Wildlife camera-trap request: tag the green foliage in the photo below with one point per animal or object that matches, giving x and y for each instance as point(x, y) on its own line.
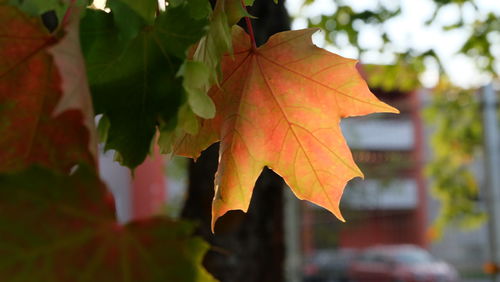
point(403, 73)
point(217, 41)
point(481, 45)
point(457, 140)
point(392, 77)
point(133, 72)
point(202, 71)
point(345, 21)
point(146, 9)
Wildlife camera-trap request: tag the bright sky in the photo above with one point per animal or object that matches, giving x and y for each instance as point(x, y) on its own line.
point(409, 29)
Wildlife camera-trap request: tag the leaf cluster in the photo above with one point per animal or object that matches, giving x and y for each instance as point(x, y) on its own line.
point(57, 220)
point(134, 61)
point(182, 78)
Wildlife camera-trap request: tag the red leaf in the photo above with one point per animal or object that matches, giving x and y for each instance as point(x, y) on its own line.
point(35, 127)
point(55, 227)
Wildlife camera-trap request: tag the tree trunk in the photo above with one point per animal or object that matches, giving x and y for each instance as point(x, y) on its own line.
point(247, 247)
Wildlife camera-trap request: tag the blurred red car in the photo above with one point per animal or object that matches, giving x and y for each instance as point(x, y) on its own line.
point(406, 263)
point(328, 265)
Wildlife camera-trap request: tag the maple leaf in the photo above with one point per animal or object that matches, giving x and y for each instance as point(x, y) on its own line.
point(55, 227)
point(45, 110)
point(133, 72)
point(280, 106)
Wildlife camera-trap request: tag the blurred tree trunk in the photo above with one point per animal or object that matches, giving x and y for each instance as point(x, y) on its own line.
point(246, 247)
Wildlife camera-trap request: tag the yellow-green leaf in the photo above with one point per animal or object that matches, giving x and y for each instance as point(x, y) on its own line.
point(195, 76)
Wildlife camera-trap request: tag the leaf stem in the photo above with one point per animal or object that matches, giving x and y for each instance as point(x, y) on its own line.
point(249, 27)
point(67, 14)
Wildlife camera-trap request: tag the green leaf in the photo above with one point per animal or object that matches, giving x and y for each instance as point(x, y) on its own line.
point(234, 11)
point(79, 237)
point(146, 9)
point(128, 22)
point(206, 58)
point(169, 133)
point(195, 76)
point(208, 55)
point(175, 3)
point(217, 41)
point(199, 9)
point(134, 82)
point(38, 7)
point(103, 129)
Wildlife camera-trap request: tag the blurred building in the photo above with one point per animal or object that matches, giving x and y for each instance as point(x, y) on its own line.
point(390, 205)
point(393, 204)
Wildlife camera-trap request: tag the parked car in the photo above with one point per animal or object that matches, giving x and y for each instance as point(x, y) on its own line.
point(329, 265)
point(400, 263)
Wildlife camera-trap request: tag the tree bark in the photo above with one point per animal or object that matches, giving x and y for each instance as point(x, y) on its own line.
point(246, 247)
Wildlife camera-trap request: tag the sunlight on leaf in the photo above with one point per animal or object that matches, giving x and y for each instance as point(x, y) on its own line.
point(280, 106)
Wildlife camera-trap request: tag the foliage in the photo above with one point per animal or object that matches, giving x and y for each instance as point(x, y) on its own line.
point(40, 123)
point(147, 73)
point(457, 140)
point(55, 221)
point(481, 46)
point(202, 71)
point(133, 71)
point(348, 22)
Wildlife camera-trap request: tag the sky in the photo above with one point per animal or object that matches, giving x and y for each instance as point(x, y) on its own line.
point(407, 30)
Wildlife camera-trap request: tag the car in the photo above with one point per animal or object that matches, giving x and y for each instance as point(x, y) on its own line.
point(328, 265)
point(400, 263)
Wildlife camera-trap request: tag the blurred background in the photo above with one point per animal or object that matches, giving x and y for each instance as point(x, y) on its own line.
point(428, 208)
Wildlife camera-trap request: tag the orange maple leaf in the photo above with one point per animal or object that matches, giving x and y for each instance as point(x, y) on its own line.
point(280, 106)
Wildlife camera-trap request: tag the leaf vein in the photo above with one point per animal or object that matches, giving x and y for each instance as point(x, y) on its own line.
point(293, 132)
point(320, 83)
